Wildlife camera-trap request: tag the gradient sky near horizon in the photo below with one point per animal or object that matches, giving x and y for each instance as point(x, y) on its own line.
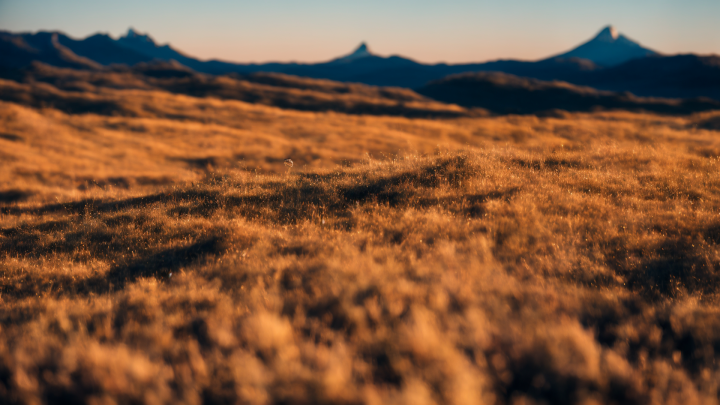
point(428, 31)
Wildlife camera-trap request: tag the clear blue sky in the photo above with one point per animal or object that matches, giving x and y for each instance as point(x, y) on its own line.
point(316, 30)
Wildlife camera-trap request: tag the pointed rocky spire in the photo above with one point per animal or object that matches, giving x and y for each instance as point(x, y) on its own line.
point(607, 34)
point(608, 48)
point(360, 52)
point(136, 36)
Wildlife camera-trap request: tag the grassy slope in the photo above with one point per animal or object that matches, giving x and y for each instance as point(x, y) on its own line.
point(458, 261)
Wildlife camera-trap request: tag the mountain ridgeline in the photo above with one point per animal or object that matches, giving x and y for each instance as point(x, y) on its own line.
point(609, 62)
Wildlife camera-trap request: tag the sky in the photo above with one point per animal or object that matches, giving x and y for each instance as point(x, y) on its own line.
point(452, 31)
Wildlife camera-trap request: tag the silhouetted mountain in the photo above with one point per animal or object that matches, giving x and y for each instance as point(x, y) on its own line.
point(20, 50)
point(144, 44)
point(507, 94)
point(104, 50)
point(359, 66)
point(403, 72)
point(609, 48)
point(362, 51)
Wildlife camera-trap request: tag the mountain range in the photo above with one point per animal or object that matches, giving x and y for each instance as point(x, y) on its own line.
point(609, 61)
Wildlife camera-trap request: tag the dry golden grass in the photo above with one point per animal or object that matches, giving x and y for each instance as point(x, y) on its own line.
point(171, 257)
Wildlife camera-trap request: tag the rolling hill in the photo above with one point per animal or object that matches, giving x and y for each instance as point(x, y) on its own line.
point(503, 93)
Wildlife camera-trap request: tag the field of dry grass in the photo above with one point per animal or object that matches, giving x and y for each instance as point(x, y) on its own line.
point(168, 256)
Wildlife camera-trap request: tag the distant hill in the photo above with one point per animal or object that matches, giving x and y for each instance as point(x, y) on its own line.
point(609, 48)
point(664, 76)
point(609, 61)
point(503, 93)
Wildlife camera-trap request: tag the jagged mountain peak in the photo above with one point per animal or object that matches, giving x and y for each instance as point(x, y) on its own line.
point(362, 51)
point(608, 34)
point(134, 35)
point(146, 45)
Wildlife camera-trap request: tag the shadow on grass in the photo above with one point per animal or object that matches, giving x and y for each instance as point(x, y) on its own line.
point(159, 265)
point(672, 269)
point(285, 202)
point(472, 205)
point(393, 189)
point(13, 196)
point(94, 205)
point(551, 163)
point(162, 263)
point(11, 137)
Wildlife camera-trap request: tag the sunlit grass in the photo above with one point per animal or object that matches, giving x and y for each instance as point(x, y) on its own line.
point(489, 260)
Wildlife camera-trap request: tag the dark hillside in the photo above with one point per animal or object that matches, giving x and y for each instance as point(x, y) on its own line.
point(507, 94)
point(676, 76)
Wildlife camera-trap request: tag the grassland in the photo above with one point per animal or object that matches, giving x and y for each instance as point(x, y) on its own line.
point(164, 254)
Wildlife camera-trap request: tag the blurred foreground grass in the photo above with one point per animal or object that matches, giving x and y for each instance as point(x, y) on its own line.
point(491, 260)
